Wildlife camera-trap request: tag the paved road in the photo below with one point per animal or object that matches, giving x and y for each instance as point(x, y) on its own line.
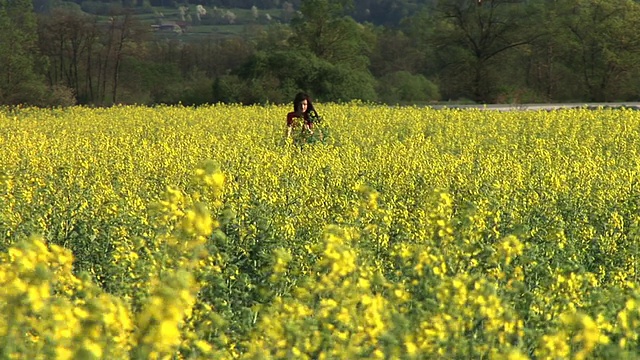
point(510, 107)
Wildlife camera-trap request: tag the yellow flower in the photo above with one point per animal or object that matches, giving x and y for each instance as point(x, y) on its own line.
point(63, 353)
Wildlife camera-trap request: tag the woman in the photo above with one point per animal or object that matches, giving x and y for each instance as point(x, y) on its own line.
point(302, 109)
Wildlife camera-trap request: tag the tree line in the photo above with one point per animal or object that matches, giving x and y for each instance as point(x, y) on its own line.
point(485, 51)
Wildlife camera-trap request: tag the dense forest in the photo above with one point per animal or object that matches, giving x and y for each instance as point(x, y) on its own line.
point(100, 53)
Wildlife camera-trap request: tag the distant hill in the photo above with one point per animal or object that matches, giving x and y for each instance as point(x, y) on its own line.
point(227, 12)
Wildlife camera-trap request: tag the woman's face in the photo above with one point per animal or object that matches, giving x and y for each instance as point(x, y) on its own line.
point(303, 105)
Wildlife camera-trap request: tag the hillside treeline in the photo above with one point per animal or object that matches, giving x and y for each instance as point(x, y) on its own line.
point(500, 51)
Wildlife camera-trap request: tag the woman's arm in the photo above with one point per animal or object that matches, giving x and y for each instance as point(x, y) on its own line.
point(309, 127)
point(290, 117)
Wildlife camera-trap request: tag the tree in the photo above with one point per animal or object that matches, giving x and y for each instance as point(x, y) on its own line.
point(276, 76)
point(123, 27)
point(324, 53)
point(600, 43)
point(402, 86)
point(19, 83)
point(395, 51)
point(388, 13)
point(124, 36)
point(325, 30)
point(67, 37)
point(468, 36)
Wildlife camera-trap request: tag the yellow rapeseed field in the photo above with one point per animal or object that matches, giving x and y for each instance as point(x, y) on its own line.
point(408, 233)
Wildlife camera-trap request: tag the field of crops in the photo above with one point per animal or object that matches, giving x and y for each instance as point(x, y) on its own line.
point(409, 233)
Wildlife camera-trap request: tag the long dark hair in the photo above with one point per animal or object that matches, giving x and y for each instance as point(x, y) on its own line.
point(297, 106)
